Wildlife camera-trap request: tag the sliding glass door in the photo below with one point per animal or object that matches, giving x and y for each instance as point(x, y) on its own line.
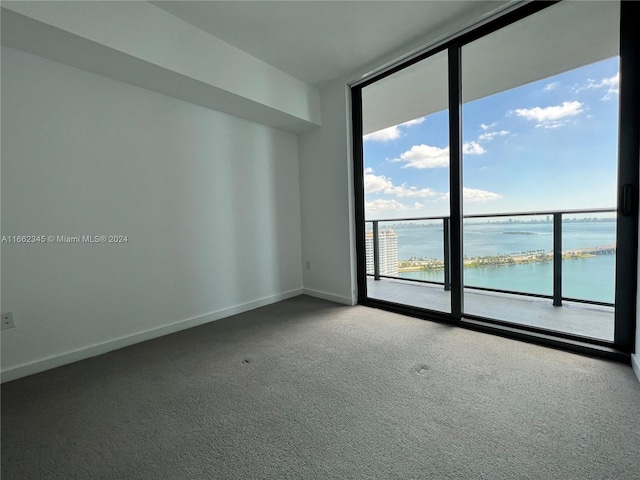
point(496, 178)
point(540, 106)
point(405, 123)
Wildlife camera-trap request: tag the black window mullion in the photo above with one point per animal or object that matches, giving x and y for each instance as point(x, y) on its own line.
point(358, 191)
point(628, 171)
point(455, 180)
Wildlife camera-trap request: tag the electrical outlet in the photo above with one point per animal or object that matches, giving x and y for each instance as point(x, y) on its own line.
point(308, 264)
point(7, 321)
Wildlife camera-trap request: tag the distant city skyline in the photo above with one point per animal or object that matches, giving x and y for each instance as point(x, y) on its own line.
point(548, 145)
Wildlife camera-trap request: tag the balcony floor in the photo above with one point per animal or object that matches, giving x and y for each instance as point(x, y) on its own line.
point(576, 318)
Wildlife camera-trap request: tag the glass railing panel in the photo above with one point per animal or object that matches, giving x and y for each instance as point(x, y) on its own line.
point(589, 256)
point(368, 241)
point(512, 253)
point(420, 250)
point(411, 263)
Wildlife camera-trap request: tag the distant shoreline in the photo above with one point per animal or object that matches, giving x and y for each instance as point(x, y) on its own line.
point(491, 261)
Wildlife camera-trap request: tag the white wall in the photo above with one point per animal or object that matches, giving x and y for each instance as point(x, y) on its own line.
point(326, 198)
point(209, 202)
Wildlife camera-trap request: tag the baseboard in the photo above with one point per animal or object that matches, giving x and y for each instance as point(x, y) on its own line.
point(48, 363)
point(635, 364)
point(327, 296)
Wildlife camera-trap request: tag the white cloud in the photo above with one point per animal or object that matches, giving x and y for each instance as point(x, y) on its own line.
point(385, 135)
point(391, 133)
point(487, 137)
point(612, 84)
point(382, 205)
point(427, 156)
point(484, 126)
point(411, 123)
point(472, 148)
point(381, 184)
point(477, 195)
point(551, 86)
point(375, 183)
point(424, 156)
point(551, 117)
point(403, 191)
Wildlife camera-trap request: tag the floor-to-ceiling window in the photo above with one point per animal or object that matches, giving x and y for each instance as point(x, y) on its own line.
point(406, 180)
point(495, 185)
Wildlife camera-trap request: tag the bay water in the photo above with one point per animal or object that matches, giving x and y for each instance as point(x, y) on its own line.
point(591, 278)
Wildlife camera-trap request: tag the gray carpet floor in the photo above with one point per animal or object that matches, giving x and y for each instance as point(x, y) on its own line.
point(310, 389)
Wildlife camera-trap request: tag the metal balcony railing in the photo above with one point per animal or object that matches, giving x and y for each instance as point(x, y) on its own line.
point(557, 215)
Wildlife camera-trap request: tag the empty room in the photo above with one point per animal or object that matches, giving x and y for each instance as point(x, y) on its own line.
point(320, 239)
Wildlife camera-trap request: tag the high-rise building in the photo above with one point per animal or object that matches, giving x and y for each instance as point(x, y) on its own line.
point(388, 252)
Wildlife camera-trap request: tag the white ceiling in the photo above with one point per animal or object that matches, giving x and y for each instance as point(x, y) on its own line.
point(319, 41)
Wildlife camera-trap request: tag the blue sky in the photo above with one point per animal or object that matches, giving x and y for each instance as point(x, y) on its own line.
point(547, 145)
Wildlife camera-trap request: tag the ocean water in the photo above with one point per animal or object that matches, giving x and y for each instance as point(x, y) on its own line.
point(590, 278)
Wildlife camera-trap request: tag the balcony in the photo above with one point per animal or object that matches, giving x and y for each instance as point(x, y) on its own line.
point(555, 273)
